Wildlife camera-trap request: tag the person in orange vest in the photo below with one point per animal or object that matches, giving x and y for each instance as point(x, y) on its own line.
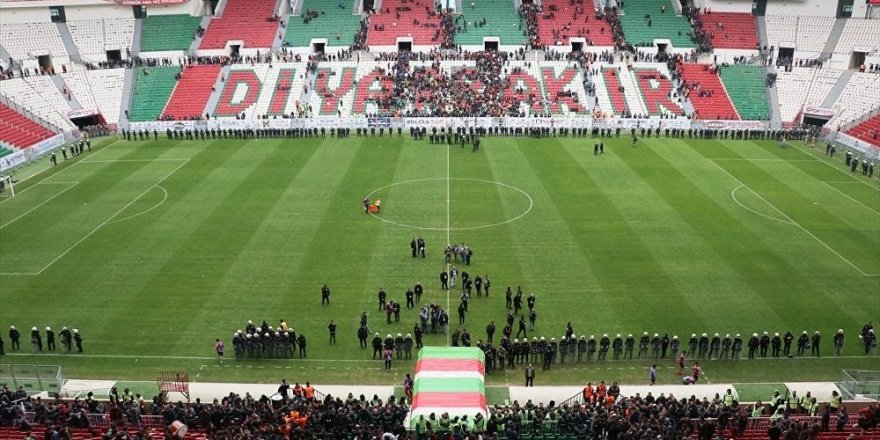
point(601, 390)
point(588, 393)
point(309, 391)
point(298, 390)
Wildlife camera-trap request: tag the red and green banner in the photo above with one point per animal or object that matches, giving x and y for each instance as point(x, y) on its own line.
point(449, 380)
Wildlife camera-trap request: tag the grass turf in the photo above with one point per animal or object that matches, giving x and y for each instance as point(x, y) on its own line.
point(153, 249)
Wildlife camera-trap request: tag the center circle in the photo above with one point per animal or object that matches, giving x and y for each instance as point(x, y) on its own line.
point(422, 203)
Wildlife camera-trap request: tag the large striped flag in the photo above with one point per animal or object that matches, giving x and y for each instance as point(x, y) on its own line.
point(449, 380)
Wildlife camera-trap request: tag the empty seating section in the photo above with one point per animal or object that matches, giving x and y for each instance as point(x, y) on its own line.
point(731, 30)
point(501, 20)
point(99, 89)
point(19, 131)
point(23, 40)
point(152, 87)
point(746, 86)
point(643, 22)
point(859, 33)
point(192, 92)
point(858, 98)
point(803, 87)
point(330, 19)
point(398, 18)
point(94, 37)
point(168, 32)
point(249, 21)
point(706, 92)
point(38, 95)
point(867, 130)
point(561, 20)
point(803, 33)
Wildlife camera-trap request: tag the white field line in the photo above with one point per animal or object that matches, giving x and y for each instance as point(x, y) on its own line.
point(164, 197)
point(72, 184)
point(796, 223)
point(855, 179)
point(850, 197)
point(448, 233)
point(105, 222)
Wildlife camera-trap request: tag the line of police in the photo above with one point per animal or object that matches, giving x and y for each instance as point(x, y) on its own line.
point(68, 339)
point(268, 342)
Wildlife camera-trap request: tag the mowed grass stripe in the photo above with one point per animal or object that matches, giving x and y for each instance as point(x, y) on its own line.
point(794, 193)
point(550, 241)
point(102, 191)
point(774, 258)
point(862, 195)
point(692, 264)
point(691, 186)
point(202, 232)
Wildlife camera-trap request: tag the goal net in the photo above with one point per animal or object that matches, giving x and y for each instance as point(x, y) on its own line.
point(7, 186)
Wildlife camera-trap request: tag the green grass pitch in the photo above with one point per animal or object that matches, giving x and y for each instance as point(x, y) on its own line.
point(153, 249)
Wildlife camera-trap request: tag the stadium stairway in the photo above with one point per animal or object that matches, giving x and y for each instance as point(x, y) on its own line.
point(60, 85)
point(838, 88)
point(192, 92)
point(717, 105)
point(773, 100)
point(125, 99)
point(834, 37)
point(745, 85)
point(218, 89)
point(67, 40)
point(136, 32)
point(4, 54)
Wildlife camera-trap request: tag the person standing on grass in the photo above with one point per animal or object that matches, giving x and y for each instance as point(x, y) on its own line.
point(332, 329)
point(696, 372)
point(388, 355)
point(838, 343)
point(652, 374)
point(530, 376)
point(815, 343)
point(325, 295)
point(218, 347)
point(681, 360)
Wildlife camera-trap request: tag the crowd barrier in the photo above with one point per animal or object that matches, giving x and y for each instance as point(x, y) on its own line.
point(454, 123)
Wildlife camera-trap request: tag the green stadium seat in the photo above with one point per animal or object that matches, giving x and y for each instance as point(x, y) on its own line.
point(152, 88)
point(746, 86)
point(667, 25)
point(334, 21)
point(502, 21)
point(4, 151)
point(168, 32)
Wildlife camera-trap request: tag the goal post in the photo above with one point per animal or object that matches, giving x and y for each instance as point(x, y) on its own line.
point(7, 186)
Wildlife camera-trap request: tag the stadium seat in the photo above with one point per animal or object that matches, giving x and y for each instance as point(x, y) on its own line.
point(191, 94)
point(24, 40)
point(19, 131)
point(152, 88)
point(867, 130)
point(561, 20)
point(40, 96)
point(803, 33)
point(502, 21)
point(94, 37)
point(249, 21)
point(715, 103)
point(803, 87)
point(746, 86)
point(385, 27)
point(168, 32)
point(98, 89)
point(731, 30)
point(857, 99)
point(332, 20)
point(859, 33)
point(667, 25)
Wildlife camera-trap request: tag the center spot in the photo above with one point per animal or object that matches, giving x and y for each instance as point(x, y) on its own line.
point(473, 203)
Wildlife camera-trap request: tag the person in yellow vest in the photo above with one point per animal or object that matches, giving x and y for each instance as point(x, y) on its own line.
point(836, 400)
point(728, 398)
point(774, 401)
point(804, 403)
point(814, 407)
point(758, 410)
point(793, 401)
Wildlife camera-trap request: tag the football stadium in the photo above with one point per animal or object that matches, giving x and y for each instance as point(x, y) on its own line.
point(417, 219)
